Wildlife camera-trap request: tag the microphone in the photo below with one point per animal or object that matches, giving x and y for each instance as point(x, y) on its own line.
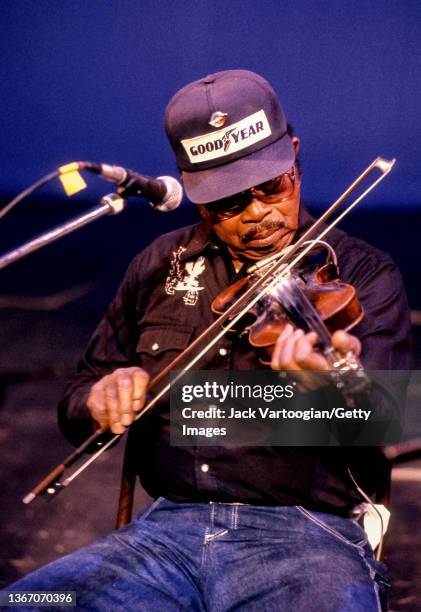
point(163, 193)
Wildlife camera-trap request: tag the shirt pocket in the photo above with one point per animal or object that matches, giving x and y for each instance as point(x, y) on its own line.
point(158, 345)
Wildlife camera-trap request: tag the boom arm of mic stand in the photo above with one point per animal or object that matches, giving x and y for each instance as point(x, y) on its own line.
point(111, 204)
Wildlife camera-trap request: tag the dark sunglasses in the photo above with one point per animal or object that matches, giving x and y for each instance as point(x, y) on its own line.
point(274, 191)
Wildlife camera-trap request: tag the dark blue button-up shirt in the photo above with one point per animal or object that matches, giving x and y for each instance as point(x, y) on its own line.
point(163, 303)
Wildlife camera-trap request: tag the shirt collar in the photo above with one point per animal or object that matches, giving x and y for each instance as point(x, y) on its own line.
point(197, 240)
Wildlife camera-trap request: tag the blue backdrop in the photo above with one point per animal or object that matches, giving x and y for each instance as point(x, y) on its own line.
point(90, 80)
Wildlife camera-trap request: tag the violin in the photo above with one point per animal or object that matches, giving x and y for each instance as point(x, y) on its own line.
point(311, 297)
point(278, 289)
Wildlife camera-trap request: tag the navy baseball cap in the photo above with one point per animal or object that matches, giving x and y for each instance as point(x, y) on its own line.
point(229, 133)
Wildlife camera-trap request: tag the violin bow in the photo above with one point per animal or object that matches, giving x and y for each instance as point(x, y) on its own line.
point(279, 265)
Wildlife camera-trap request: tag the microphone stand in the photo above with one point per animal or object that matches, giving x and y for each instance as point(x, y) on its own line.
point(111, 204)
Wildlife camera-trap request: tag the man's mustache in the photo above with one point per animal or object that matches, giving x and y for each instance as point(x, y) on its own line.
point(261, 230)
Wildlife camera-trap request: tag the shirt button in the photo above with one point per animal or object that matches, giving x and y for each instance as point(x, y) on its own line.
point(155, 346)
point(223, 351)
point(204, 467)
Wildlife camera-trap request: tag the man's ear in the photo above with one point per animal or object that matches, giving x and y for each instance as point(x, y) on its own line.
point(296, 145)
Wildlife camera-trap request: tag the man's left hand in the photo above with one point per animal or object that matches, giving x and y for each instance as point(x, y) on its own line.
point(296, 351)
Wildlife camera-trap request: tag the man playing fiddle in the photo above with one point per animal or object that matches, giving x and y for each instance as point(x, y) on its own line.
point(247, 528)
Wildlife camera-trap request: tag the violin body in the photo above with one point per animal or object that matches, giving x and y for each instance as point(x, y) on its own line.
point(314, 293)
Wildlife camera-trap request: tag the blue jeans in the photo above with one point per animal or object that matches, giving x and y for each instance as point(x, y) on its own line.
point(218, 557)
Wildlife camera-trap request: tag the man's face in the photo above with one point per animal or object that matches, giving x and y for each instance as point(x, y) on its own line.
point(261, 222)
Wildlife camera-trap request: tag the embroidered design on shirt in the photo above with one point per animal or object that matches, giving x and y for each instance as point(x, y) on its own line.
point(175, 273)
point(190, 284)
point(185, 280)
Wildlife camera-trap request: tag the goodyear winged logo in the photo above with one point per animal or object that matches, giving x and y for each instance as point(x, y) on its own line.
point(230, 139)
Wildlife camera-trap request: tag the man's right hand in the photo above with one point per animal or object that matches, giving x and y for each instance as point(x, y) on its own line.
point(116, 398)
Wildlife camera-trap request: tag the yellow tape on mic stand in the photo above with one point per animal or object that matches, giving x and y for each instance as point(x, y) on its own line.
point(70, 178)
